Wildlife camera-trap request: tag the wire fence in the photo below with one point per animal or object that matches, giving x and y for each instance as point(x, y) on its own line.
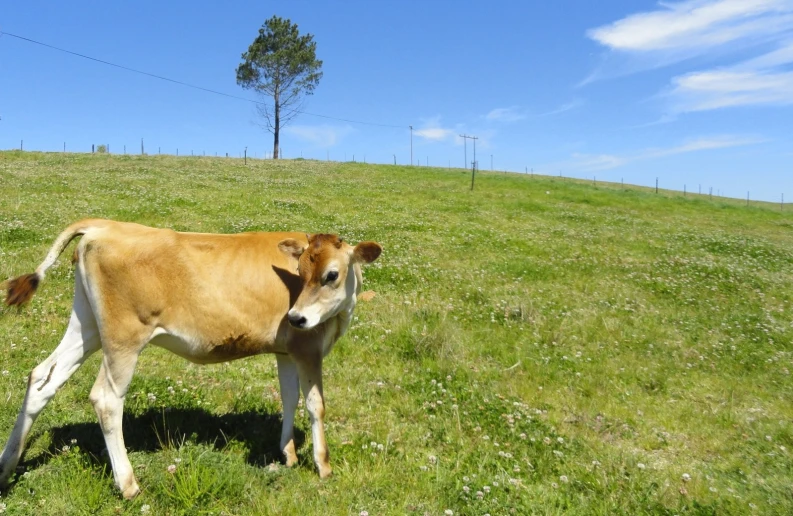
point(685, 192)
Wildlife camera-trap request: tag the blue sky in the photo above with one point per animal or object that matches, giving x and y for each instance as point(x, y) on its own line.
point(698, 92)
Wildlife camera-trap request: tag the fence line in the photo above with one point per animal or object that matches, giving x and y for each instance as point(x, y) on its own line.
point(528, 172)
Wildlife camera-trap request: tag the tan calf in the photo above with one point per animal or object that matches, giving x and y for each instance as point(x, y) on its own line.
point(206, 297)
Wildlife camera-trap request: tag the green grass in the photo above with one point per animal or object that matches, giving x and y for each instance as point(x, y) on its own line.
point(559, 347)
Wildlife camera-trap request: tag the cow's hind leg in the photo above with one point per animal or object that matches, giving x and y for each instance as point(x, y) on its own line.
point(79, 342)
point(107, 395)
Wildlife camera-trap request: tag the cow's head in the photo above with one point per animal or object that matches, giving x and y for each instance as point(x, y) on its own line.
point(331, 274)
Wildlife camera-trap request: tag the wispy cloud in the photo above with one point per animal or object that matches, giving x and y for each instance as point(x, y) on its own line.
point(510, 114)
point(681, 30)
point(594, 162)
point(320, 135)
point(432, 130)
point(574, 104)
point(763, 80)
point(695, 25)
point(716, 28)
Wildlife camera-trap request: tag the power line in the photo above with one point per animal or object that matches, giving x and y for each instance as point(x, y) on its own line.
point(181, 83)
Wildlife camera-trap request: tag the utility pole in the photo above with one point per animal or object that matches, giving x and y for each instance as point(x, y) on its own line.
point(411, 145)
point(465, 149)
point(473, 164)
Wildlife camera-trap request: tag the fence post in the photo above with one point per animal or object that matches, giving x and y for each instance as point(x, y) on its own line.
point(656, 185)
point(20, 144)
point(92, 148)
point(64, 147)
point(684, 190)
point(246, 155)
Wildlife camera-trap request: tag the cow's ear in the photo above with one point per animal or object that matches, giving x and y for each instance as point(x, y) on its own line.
point(292, 247)
point(366, 252)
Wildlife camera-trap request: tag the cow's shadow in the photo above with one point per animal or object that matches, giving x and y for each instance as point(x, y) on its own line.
point(158, 429)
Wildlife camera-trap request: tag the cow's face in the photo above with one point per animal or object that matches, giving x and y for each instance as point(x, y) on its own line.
point(327, 266)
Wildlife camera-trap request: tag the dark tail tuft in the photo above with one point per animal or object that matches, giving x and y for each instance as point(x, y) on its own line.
point(21, 289)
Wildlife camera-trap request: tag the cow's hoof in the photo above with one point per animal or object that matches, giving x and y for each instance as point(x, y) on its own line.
point(291, 459)
point(131, 492)
point(325, 472)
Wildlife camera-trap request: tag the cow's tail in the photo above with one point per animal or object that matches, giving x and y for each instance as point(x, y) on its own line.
point(21, 289)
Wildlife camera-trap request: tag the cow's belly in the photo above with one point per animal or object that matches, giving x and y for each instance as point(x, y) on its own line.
point(201, 351)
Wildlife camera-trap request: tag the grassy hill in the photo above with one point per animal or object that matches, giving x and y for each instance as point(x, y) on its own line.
point(536, 346)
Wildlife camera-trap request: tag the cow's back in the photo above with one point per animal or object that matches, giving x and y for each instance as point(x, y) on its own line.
point(225, 295)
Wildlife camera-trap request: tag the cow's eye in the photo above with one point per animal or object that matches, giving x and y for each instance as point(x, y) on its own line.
point(332, 276)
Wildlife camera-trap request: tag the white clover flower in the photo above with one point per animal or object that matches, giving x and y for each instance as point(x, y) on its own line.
point(563, 479)
point(686, 477)
point(172, 468)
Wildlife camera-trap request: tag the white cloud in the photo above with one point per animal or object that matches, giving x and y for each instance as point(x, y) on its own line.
point(590, 162)
point(716, 28)
point(323, 135)
point(691, 28)
point(695, 25)
point(510, 114)
point(762, 80)
point(714, 89)
point(433, 131)
point(564, 107)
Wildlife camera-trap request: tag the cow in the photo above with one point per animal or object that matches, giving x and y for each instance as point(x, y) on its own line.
point(207, 297)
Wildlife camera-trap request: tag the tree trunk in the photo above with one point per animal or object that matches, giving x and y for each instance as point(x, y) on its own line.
point(276, 126)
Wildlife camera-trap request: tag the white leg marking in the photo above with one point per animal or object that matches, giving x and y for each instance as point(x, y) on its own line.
point(80, 341)
point(311, 385)
point(290, 393)
point(108, 395)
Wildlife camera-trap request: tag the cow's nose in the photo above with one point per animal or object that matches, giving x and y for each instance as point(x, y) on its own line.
point(297, 320)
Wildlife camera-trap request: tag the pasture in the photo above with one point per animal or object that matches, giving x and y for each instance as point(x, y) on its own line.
point(537, 346)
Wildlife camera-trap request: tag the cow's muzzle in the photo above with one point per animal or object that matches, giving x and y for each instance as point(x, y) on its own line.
point(296, 319)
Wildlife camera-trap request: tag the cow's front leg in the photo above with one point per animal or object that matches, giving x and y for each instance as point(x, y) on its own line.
point(290, 393)
point(310, 373)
